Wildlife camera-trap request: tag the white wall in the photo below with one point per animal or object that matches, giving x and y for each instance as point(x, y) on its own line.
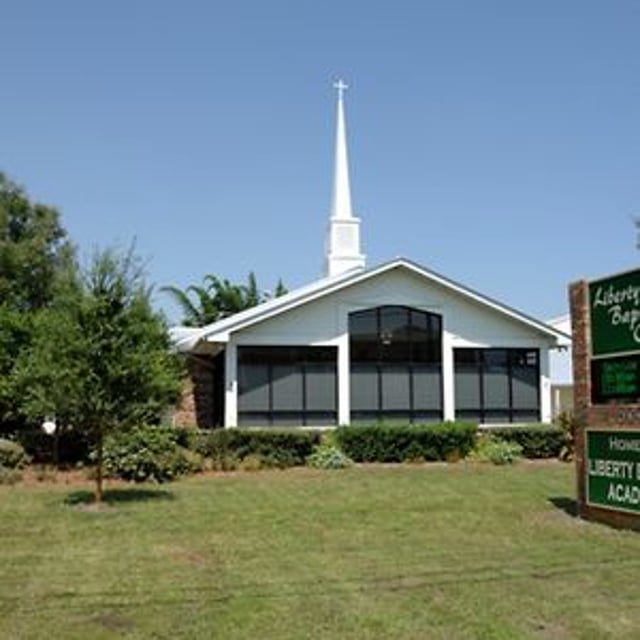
point(560, 363)
point(324, 322)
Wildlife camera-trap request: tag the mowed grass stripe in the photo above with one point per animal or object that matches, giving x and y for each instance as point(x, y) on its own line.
point(380, 552)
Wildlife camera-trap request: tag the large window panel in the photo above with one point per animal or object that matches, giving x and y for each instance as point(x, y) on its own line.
point(525, 389)
point(396, 388)
point(320, 387)
point(364, 388)
point(287, 386)
point(396, 364)
point(427, 388)
point(363, 329)
point(253, 386)
point(395, 334)
point(497, 385)
point(467, 388)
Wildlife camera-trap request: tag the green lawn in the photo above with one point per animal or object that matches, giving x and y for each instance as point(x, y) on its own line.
point(430, 551)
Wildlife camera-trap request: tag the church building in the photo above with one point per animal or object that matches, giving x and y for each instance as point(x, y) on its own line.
point(393, 342)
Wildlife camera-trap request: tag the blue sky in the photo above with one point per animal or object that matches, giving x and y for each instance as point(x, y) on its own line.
point(495, 142)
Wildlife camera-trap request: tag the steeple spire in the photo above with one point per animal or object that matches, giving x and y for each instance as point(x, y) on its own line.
point(343, 242)
point(341, 207)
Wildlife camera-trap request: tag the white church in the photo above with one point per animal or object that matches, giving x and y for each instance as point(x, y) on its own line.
point(392, 342)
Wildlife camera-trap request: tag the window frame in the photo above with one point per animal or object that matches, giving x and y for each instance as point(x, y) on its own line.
point(479, 364)
point(384, 362)
point(299, 357)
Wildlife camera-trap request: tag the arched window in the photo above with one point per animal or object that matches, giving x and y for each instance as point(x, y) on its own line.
point(396, 364)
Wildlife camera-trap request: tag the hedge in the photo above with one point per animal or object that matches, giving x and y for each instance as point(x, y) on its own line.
point(384, 443)
point(148, 453)
point(12, 455)
point(536, 440)
point(276, 447)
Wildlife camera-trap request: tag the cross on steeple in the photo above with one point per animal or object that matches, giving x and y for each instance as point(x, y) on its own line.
point(341, 87)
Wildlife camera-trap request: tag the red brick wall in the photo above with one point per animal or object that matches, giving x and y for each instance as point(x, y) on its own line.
point(196, 405)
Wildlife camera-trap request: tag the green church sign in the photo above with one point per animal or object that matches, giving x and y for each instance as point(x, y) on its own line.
point(612, 467)
point(615, 314)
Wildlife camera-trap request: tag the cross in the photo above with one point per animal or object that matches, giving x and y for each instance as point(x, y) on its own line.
point(340, 86)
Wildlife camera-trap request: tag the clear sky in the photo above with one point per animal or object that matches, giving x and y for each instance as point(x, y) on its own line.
point(495, 142)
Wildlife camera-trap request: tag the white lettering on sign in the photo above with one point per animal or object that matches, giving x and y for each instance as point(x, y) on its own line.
point(612, 300)
point(610, 296)
point(619, 469)
point(621, 444)
point(623, 493)
point(630, 317)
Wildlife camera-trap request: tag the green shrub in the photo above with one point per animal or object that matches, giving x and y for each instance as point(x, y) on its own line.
point(251, 463)
point(491, 449)
point(12, 455)
point(275, 447)
point(536, 440)
point(222, 463)
point(326, 456)
point(9, 476)
point(148, 453)
point(382, 443)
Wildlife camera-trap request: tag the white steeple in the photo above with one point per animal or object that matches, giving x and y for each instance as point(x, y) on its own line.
point(343, 240)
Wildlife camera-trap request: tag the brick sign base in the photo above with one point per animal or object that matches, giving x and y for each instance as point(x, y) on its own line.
point(609, 418)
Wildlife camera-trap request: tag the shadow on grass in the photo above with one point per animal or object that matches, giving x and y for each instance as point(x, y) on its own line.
point(118, 496)
point(568, 505)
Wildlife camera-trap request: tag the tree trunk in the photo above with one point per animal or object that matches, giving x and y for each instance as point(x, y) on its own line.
point(99, 469)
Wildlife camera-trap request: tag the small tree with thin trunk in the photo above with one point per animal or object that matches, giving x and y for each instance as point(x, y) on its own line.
point(100, 358)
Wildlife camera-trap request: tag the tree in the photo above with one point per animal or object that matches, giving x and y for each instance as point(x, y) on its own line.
point(218, 298)
point(100, 357)
point(34, 256)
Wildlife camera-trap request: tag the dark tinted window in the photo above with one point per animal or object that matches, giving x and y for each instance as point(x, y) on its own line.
point(287, 386)
point(396, 364)
point(497, 385)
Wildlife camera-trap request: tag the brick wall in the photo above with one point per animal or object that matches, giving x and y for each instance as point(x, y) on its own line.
point(196, 406)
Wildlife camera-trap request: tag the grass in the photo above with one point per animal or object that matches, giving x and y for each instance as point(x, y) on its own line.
point(428, 551)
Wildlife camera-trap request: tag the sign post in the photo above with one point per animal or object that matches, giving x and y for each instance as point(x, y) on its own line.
point(605, 317)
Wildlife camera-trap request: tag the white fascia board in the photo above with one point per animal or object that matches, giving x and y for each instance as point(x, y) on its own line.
point(221, 330)
point(184, 338)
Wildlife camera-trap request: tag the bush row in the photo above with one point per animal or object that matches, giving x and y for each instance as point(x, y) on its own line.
point(164, 453)
point(273, 447)
point(536, 440)
point(380, 443)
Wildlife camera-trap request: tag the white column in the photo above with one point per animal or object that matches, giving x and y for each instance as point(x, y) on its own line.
point(344, 381)
point(545, 385)
point(231, 385)
point(448, 387)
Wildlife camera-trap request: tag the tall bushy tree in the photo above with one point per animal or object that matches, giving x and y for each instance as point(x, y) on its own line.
point(218, 298)
point(34, 256)
point(100, 357)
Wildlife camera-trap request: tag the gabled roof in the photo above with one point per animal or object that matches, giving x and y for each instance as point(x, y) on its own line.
point(187, 339)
